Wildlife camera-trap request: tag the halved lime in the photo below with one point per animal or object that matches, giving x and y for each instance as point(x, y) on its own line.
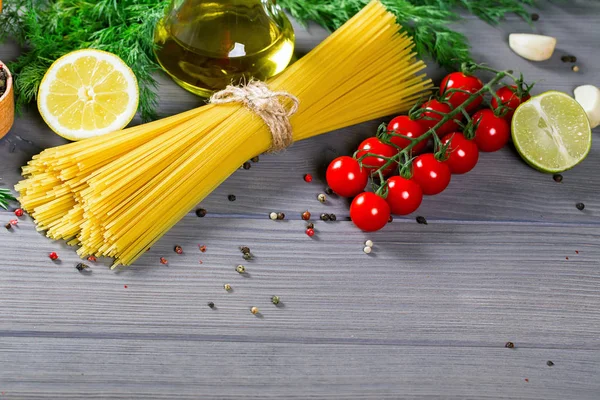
point(551, 132)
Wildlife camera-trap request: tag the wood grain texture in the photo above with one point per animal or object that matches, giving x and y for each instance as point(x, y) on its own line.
point(506, 256)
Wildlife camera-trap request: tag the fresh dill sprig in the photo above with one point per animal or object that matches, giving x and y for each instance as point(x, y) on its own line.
point(5, 197)
point(48, 29)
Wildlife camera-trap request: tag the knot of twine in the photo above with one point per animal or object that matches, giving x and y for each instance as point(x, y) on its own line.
point(267, 104)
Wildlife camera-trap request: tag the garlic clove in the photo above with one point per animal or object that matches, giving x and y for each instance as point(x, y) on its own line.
point(532, 47)
point(589, 98)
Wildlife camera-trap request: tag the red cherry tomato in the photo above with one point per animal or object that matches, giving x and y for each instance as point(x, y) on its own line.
point(492, 132)
point(369, 212)
point(435, 105)
point(404, 195)
point(509, 98)
point(431, 174)
point(346, 177)
point(463, 154)
point(458, 80)
point(375, 146)
point(403, 125)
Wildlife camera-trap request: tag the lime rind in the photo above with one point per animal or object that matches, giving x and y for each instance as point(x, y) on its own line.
point(551, 132)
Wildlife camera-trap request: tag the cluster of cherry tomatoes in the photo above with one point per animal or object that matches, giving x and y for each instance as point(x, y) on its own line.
point(428, 173)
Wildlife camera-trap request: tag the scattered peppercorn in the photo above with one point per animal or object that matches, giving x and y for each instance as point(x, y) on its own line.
point(575, 68)
point(535, 17)
point(254, 310)
point(14, 222)
point(201, 212)
point(92, 259)
point(81, 266)
point(53, 256)
point(576, 251)
point(19, 212)
point(245, 249)
point(163, 261)
point(273, 216)
point(557, 178)
point(231, 197)
point(509, 345)
point(254, 159)
point(125, 286)
point(310, 226)
point(240, 269)
point(421, 220)
point(307, 178)
point(324, 217)
point(247, 256)
point(306, 215)
point(178, 249)
point(211, 304)
point(275, 300)
point(332, 217)
point(8, 226)
point(310, 232)
point(367, 250)
point(227, 287)
point(328, 190)
point(572, 58)
point(565, 58)
point(369, 243)
point(202, 248)
point(247, 165)
point(322, 198)
point(549, 363)
point(580, 206)
point(567, 258)
point(526, 380)
point(280, 216)
point(390, 219)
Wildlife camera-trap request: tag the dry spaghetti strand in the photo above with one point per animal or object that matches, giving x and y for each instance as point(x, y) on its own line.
point(117, 195)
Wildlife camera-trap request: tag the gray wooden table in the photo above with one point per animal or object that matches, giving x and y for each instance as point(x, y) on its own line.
point(506, 256)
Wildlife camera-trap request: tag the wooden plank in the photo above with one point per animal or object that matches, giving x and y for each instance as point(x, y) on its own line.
point(73, 368)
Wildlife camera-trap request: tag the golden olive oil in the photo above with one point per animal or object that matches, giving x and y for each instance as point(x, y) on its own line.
point(206, 46)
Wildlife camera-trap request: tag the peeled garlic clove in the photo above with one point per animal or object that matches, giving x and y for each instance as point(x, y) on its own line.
point(532, 47)
point(589, 98)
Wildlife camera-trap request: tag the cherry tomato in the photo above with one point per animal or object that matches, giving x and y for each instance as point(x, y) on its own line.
point(492, 132)
point(431, 174)
point(404, 195)
point(403, 125)
point(376, 146)
point(509, 98)
point(346, 177)
point(469, 83)
point(463, 154)
point(435, 105)
point(369, 212)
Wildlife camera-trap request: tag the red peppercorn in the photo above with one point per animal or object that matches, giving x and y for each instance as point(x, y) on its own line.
point(308, 178)
point(306, 215)
point(19, 212)
point(178, 250)
point(163, 260)
point(310, 232)
point(53, 256)
point(14, 222)
point(202, 248)
point(92, 259)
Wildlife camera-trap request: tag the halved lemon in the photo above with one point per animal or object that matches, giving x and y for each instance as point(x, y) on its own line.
point(88, 93)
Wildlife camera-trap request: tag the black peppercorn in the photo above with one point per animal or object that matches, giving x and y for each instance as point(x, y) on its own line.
point(549, 363)
point(572, 59)
point(324, 217)
point(245, 249)
point(211, 304)
point(421, 220)
point(254, 159)
point(332, 217)
point(535, 17)
point(557, 178)
point(509, 345)
point(231, 197)
point(201, 212)
point(328, 190)
point(8, 226)
point(81, 266)
point(247, 165)
point(280, 215)
point(310, 226)
point(580, 206)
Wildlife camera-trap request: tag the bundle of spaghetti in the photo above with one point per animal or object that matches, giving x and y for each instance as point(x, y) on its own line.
point(117, 194)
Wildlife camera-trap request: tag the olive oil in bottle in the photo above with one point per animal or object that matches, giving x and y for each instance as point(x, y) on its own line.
point(207, 45)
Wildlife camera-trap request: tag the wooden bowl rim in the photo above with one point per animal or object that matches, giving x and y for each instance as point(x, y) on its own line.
point(9, 82)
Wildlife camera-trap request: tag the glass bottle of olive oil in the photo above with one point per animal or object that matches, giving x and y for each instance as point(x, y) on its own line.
point(206, 45)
